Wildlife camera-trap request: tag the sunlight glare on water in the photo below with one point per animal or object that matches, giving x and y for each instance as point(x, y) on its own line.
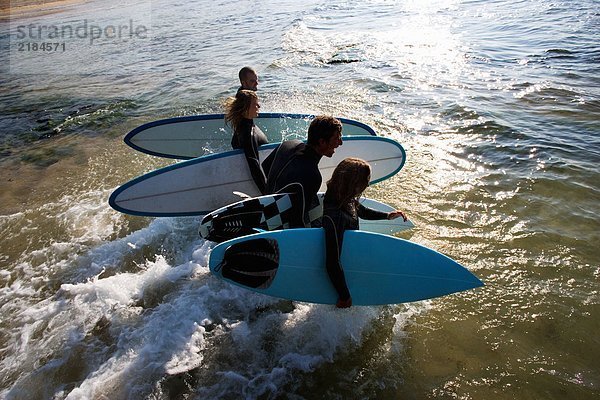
point(497, 107)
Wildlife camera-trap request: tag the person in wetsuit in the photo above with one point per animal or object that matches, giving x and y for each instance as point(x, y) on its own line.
point(248, 79)
point(341, 210)
point(240, 111)
point(293, 166)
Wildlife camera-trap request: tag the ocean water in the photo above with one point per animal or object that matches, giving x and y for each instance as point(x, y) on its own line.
point(497, 104)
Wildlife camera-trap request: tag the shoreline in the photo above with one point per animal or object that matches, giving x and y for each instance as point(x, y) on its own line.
point(17, 9)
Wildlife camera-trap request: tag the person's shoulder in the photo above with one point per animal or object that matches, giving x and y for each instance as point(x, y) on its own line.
point(291, 146)
point(247, 124)
point(293, 143)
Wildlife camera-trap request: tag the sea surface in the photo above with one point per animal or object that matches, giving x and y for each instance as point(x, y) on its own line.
point(497, 104)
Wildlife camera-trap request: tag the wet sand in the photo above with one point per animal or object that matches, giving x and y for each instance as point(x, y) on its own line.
point(16, 9)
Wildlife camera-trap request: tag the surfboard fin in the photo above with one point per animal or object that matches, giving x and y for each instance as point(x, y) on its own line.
point(220, 230)
point(251, 263)
point(242, 195)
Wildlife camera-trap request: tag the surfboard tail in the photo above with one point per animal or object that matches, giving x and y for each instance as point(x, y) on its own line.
point(229, 227)
point(251, 263)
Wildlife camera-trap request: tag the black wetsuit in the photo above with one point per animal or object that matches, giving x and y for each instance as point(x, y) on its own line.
point(242, 88)
point(335, 222)
point(293, 167)
point(249, 137)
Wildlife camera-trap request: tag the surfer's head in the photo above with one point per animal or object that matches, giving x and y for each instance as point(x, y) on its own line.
point(349, 179)
point(248, 78)
point(325, 134)
point(244, 105)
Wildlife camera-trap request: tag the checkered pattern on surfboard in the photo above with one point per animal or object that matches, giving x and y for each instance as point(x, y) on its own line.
point(238, 219)
point(276, 213)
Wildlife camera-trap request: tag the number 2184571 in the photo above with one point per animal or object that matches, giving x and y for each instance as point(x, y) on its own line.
point(42, 47)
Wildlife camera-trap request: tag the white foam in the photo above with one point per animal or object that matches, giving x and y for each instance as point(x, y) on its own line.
point(189, 315)
point(120, 334)
point(86, 216)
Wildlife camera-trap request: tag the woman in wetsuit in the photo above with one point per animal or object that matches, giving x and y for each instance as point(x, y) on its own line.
point(341, 210)
point(239, 113)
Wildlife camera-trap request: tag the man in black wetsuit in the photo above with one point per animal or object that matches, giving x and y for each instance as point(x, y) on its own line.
point(293, 166)
point(248, 79)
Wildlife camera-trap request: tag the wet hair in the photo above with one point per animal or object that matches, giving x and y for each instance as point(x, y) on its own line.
point(323, 127)
point(244, 72)
point(237, 107)
point(349, 179)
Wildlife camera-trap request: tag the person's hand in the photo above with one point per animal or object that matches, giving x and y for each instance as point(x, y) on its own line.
point(344, 303)
point(396, 214)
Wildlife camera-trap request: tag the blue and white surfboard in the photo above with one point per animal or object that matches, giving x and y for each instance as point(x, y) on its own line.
point(379, 269)
point(201, 185)
point(194, 136)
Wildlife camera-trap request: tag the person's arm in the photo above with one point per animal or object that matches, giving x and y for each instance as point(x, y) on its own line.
point(371, 214)
point(266, 164)
point(397, 213)
point(306, 183)
point(311, 184)
point(250, 148)
point(296, 216)
point(334, 235)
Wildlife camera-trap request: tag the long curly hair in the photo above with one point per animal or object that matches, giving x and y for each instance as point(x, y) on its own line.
point(349, 179)
point(236, 108)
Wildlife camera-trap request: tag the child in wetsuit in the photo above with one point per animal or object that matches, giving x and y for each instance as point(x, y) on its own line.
point(341, 210)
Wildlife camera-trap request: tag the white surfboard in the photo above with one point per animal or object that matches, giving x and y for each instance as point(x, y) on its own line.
point(379, 269)
point(273, 212)
point(194, 136)
point(201, 185)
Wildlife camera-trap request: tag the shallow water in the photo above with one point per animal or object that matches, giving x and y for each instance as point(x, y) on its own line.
point(498, 107)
